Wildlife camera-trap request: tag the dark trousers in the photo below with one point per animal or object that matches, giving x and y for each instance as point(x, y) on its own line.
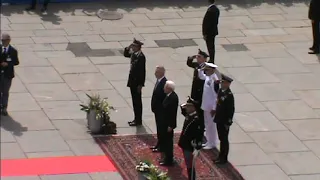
point(159, 121)
point(210, 41)
point(5, 85)
point(223, 133)
point(45, 3)
point(167, 145)
point(188, 159)
point(316, 35)
point(137, 104)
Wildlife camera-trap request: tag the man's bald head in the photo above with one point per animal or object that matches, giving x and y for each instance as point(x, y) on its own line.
point(5, 38)
point(160, 72)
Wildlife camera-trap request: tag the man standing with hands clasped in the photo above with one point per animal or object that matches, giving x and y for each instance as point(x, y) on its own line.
point(223, 119)
point(210, 28)
point(136, 80)
point(8, 59)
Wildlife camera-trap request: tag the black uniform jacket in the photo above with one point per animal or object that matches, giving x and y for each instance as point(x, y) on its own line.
point(192, 132)
point(137, 75)
point(225, 107)
point(170, 107)
point(314, 10)
point(158, 96)
point(11, 57)
point(197, 83)
point(210, 22)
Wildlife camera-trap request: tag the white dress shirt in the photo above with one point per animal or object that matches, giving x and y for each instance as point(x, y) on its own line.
point(209, 96)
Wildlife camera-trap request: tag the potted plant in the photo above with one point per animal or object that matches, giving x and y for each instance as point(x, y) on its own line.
point(98, 115)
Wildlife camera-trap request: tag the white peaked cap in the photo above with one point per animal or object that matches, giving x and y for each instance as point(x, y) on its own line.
point(211, 65)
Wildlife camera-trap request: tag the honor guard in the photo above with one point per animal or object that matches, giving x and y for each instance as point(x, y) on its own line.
point(224, 115)
point(136, 80)
point(191, 136)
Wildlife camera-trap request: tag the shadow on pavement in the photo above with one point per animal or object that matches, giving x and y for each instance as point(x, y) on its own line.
point(129, 5)
point(9, 124)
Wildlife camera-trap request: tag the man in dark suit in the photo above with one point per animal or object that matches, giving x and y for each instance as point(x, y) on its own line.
point(197, 83)
point(136, 80)
point(170, 107)
point(158, 96)
point(210, 28)
point(8, 59)
point(224, 115)
point(314, 16)
point(34, 4)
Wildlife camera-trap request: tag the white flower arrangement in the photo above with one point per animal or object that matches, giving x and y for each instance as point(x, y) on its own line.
point(151, 172)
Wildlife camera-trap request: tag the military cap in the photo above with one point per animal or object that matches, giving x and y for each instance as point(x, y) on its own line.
point(226, 78)
point(211, 65)
point(203, 53)
point(136, 42)
point(191, 102)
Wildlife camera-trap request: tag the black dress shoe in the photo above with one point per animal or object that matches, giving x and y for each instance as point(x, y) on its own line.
point(311, 48)
point(313, 52)
point(43, 10)
point(166, 163)
point(133, 123)
point(154, 147)
point(155, 150)
point(4, 112)
point(221, 162)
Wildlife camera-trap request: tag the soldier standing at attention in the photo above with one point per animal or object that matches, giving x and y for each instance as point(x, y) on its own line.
point(223, 119)
point(136, 80)
point(197, 83)
point(314, 16)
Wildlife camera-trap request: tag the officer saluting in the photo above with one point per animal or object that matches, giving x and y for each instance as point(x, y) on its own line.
point(223, 119)
point(136, 80)
point(191, 136)
point(197, 83)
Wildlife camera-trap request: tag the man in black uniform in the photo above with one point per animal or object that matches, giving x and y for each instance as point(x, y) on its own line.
point(136, 80)
point(191, 135)
point(314, 16)
point(210, 28)
point(8, 59)
point(34, 4)
point(223, 119)
point(197, 83)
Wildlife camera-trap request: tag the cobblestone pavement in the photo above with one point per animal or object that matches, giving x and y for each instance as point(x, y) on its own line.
point(262, 46)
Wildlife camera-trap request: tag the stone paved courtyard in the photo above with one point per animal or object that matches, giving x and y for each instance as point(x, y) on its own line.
point(67, 53)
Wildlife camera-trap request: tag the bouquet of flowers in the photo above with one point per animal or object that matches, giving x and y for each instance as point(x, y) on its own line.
point(151, 172)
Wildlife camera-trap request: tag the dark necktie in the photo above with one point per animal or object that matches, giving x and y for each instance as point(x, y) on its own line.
point(4, 50)
point(155, 86)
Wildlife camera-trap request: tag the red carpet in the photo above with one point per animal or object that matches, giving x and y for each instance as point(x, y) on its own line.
point(56, 165)
point(127, 151)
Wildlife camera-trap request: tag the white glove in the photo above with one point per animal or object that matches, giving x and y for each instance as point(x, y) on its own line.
point(195, 153)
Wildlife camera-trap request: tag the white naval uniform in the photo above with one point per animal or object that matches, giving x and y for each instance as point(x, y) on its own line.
point(209, 103)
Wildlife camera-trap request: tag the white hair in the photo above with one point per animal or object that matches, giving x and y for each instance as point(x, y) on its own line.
point(171, 85)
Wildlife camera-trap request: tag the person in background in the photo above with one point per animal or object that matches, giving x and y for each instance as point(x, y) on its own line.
point(158, 96)
point(197, 83)
point(34, 4)
point(314, 16)
point(209, 102)
point(191, 136)
point(137, 78)
point(210, 28)
point(8, 59)
point(170, 107)
point(223, 119)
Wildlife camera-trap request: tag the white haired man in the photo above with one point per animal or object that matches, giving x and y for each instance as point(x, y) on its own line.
point(209, 103)
point(170, 106)
point(8, 59)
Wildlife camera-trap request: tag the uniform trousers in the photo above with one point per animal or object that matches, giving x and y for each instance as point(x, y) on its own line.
point(210, 41)
point(316, 35)
point(137, 104)
point(5, 85)
point(188, 158)
point(211, 129)
point(223, 133)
